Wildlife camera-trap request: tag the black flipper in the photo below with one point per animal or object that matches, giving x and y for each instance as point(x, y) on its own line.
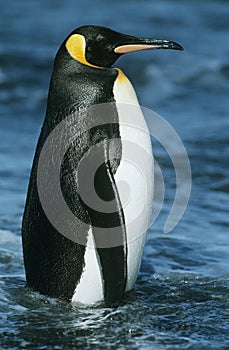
point(108, 228)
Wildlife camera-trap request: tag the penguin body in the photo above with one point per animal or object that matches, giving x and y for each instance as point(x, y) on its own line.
point(88, 272)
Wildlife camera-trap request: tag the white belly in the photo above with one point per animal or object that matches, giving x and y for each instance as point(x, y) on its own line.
point(90, 287)
point(135, 173)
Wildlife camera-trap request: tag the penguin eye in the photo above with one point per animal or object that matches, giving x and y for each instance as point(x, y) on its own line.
point(99, 37)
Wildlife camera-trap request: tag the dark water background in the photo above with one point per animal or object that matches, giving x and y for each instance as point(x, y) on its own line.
point(181, 296)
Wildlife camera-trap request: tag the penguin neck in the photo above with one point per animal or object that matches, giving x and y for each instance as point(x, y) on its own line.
point(76, 47)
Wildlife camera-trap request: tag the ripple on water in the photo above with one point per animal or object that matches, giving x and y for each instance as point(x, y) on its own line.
point(179, 309)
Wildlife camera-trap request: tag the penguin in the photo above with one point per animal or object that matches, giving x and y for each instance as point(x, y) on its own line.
point(86, 272)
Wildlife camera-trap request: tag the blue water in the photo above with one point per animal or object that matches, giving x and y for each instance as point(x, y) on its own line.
point(181, 297)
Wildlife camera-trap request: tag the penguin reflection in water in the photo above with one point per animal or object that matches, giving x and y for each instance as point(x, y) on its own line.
point(81, 268)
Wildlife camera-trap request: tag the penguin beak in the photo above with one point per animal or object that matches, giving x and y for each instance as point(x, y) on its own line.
point(147, 44)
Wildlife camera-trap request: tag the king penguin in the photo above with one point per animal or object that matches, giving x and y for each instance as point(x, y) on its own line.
point(67, 268)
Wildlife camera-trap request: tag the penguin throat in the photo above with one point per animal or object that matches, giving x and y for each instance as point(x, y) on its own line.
point(76, 46)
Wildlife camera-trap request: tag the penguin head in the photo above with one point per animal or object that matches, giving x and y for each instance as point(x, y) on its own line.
point(100, 47)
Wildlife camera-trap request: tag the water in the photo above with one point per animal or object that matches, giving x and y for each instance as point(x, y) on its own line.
point(181, 297)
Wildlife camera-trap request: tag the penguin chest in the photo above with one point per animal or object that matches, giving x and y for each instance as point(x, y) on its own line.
point(134, 176)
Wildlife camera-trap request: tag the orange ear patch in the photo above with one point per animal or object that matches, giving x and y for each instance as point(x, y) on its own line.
point(76, 46)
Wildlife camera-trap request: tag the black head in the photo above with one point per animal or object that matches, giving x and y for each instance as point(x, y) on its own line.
point(101, 47)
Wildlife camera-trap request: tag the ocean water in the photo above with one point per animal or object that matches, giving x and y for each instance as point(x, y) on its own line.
point(180, 300)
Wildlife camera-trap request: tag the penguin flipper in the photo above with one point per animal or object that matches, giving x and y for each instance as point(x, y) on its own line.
point(108, 227)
